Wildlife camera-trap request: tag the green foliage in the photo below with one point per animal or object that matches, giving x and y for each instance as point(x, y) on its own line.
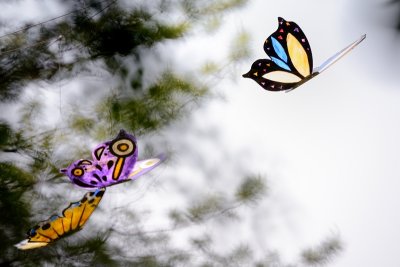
point(240, 47)
point(158, 106)
point(22, 63)
point(324, 253)
point(120, 32)
point(251, 189)
point(205, 208)
point(199, 9)
point(14, 210)
point(320, 255)
point(93, 251)
point(108, 35)
point(82, 123)
point(5, 135)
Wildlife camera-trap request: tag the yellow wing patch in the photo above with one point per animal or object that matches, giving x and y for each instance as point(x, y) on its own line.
point(298, 55)
point(73, 219)
point(282, 77)
point(118, 168)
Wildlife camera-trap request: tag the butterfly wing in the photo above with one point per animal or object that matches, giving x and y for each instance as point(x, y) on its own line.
point(112, 162)
point(272, 77)
point(144, 166)
point(289, 46)
point(72, 220)
point(339, 55)
point(291, 59)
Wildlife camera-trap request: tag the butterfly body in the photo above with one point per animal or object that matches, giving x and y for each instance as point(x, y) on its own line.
point(113, 162)
point(306, 79)
point(72, 220)
point(290, 64)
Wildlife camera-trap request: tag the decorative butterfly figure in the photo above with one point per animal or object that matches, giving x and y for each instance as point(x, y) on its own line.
point(72, 220)
point(291, 62)
point(113, 162)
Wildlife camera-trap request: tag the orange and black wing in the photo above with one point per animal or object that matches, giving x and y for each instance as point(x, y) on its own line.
point(72, 220)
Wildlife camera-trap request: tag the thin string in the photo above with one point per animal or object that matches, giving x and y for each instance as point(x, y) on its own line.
point(35, 25)
point(107, 6)
point(58, 17)
point(44, 22)
point(29, 46)
point(60, 54)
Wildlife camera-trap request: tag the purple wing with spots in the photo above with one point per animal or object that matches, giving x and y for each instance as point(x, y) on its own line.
point(113, 162)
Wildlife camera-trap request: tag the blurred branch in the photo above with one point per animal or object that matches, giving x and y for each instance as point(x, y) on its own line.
point(324, 253)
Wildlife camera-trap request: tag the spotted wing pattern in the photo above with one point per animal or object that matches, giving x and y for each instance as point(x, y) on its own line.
point(113, 162)
point(72, 220)
point(290, 60)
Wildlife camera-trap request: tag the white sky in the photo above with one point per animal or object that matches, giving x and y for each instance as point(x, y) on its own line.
point(329, 149)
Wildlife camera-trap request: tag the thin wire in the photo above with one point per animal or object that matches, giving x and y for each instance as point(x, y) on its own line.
point(55, 18)
point(60, 54)
point(39, 43)
point(29, 46)
point(37, 24)
point(41, 23)
point(107, 6)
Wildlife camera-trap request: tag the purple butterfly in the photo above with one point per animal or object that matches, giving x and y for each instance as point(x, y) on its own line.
point(113, 162)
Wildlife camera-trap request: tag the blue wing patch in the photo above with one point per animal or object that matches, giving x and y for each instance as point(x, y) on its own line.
point(279, 50)
point(280, 63)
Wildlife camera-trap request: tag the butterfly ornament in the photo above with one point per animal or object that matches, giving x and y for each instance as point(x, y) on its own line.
point(72, 220)
point(113, 162)
point(290, 64)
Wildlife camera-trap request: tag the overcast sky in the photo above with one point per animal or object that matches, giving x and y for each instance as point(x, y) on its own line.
point(330, 148)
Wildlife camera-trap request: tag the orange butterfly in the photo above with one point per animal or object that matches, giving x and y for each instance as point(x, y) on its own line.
point(72, 220)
